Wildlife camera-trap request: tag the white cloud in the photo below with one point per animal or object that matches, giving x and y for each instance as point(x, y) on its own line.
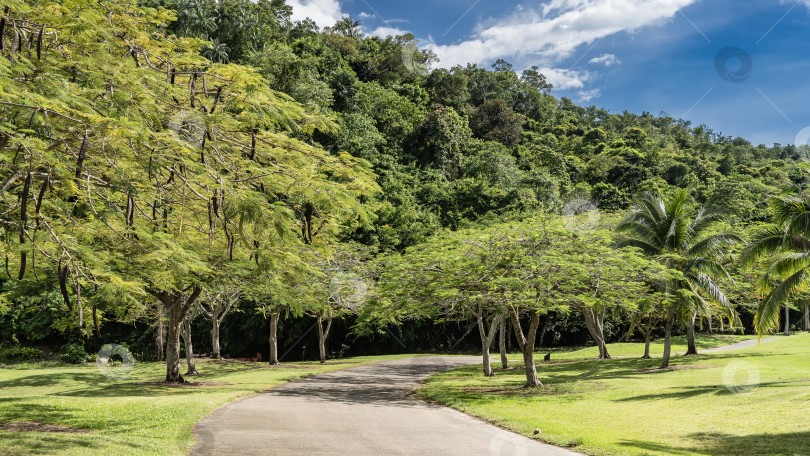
point(324, 12)
point(565, 79)
point(383, 32)
point(555, 31)
point(587, 95)
point(805, 2)
point(365, 15)
point(607, 59)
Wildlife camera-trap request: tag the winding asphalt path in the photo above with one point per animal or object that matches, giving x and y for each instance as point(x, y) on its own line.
point(737, 346)
point(364, 411)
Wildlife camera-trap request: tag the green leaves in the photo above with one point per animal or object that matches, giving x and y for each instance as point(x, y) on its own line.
point(535, 265)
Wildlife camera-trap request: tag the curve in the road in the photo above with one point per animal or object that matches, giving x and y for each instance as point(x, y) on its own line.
point(738, 345)
point(366, 410)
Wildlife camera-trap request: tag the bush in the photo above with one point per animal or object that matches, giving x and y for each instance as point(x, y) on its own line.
point(19, 354)
point(74, 354)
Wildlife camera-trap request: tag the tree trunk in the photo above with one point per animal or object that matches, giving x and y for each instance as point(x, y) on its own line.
point(526, 343)
point(486, 339)
point(274, 317)
point(690, 336)
point(646, 346)
point(215, 348)
point(177, 307)
point(323, 333)
point(667, 341)
point(807, 316)
point(160, 333)
point(787, 320)
point(502, 343)
point(709, 322)
point(186, 333)
point(595, 323)
point(647, 331)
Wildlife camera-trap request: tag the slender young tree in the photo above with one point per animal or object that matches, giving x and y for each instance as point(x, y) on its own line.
point(188, 345)
point(215, 304)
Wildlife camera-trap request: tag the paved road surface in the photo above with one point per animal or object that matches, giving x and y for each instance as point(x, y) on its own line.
point(363, 411)
point(738, 345)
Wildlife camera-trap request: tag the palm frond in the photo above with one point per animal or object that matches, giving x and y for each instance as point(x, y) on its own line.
point(768, 240)
point(789, 264)
point(714, 246)
point(767, 315)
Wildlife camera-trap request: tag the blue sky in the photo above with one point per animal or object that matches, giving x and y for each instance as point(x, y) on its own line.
point(635, 55)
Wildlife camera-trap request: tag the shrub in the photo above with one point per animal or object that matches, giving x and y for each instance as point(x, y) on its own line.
point(74, 354)
point(18, 354)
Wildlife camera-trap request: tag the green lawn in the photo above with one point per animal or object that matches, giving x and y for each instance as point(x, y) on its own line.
point(656, 347)
point(622, 407)
point(125, 417)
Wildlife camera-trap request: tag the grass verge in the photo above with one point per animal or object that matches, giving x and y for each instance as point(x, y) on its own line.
point(133, 416)
point(751, 401)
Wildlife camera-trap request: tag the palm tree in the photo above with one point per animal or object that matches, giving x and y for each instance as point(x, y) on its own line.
point(670, 229)
point(348, 27)
point(788, 239)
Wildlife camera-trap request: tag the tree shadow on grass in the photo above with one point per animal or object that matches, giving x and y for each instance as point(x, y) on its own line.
point(717, 390)
point(719, 444)
point(628, 368)
point(43, 443)
point(44, 379)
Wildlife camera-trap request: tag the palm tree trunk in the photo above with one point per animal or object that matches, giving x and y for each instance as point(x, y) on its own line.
point(787, 320)
point(667, 341)
point(690, 336)
point(807, 316)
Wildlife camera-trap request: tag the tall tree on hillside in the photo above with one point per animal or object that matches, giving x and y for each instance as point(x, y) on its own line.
point(670, 229)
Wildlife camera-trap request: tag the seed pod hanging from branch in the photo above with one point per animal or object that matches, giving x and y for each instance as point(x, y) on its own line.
point(3, 28)
point(39, 42)
point(81, 156)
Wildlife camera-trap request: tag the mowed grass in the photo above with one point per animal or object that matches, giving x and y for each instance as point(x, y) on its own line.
point(656, 347)
point(628, 407)
point(127, 417)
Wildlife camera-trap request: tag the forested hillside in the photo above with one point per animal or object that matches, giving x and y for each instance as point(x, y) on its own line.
point(148, 151)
